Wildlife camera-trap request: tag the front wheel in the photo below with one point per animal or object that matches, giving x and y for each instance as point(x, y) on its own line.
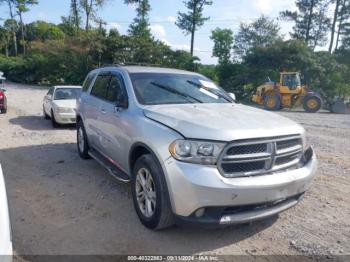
point(46, 116)
point(53, 120)
point(312, 103)
point(150, 194)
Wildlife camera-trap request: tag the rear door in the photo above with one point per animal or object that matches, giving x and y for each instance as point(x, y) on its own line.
point(92, 108)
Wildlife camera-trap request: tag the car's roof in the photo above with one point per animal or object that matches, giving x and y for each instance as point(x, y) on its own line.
point(67, 87)
point(149, 69)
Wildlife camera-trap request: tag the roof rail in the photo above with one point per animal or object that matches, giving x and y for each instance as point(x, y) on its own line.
point(118, 64)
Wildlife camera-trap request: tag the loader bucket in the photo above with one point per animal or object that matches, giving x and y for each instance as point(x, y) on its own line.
point(339, 107)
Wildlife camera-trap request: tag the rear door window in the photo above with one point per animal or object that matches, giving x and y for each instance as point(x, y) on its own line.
point(100, 87)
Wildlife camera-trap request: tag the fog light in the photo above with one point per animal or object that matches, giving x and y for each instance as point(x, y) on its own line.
point(200, 212)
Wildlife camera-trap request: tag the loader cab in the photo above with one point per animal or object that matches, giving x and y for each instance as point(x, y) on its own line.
point(290, 81)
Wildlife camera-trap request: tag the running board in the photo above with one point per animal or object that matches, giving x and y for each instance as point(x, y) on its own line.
point(112, 169)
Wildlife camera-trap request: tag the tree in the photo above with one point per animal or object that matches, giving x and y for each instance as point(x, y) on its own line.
point(335, 19)
point(22, 6)
point(11, 23)
point(75, 13)
point(322, 24)
point(311, 21)
point(262, 32)
point(140, 26)
point(90, 7)
point(4, 40)
point(43, 31)
point(223, 43)
point(344, 25)
point(191, 21)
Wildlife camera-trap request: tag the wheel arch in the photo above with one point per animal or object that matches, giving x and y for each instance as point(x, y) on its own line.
point(137, 150)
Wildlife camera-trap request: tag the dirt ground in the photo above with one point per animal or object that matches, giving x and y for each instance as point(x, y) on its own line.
point(61, 204)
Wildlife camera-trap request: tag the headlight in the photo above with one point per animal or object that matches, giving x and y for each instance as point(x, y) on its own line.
point(199, 152)
point(64, 110)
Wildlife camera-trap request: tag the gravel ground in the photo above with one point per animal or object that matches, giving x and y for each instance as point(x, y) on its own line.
point(61, 204)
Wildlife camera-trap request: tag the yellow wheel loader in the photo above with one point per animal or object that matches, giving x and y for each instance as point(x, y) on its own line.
point(289, 93)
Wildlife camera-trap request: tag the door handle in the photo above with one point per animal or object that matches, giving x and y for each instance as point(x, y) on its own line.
point(103, 111)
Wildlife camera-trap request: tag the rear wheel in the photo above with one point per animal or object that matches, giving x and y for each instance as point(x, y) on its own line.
point(3, 111)
point(82, 142)
point(272, 102)
point(150, 194)
point(312, 103)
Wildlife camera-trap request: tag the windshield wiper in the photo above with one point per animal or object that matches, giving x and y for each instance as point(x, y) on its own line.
point(209, 90)
point(174, 91)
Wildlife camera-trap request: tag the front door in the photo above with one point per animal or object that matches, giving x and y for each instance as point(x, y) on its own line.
point(112, 123)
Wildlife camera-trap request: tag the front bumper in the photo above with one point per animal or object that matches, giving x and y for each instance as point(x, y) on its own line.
point(65, 118)
point(233, 200)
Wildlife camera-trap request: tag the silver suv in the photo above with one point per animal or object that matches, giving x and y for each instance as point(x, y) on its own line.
point(191, 153)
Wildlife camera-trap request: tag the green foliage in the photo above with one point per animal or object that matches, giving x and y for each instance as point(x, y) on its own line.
point(223, 41)
point(140, 26)
point(262, 32)
point(52, 59)
point(191, 21)
point(43, 31)
point(311, 21)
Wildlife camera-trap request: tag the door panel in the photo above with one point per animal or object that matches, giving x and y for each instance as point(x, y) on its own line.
point(113, 124)
point(92, 109)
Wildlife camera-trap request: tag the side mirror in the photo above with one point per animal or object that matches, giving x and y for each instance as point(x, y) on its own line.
point(233, 96)
point(123, 103)
point(3, 89)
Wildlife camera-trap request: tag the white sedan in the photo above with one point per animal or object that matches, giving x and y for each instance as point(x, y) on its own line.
point(60, 103)
point(6, 251)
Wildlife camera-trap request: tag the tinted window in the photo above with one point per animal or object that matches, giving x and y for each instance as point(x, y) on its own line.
point(116, 91)
point(67, 93)
point(88, 82)
point(101, 86)
point(154, 89)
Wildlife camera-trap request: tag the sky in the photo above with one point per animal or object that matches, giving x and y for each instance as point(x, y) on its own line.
point(223, 14)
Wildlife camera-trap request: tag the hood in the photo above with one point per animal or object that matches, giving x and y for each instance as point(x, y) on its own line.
point(222, 122)
point(69, 103)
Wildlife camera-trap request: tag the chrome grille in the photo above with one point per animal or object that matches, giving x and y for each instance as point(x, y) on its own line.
point(256, 157)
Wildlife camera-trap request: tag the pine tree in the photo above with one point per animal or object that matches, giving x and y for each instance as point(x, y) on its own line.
point(343, 33)
point(311, 21)
point(140, 26)
point(191, 21)
point(22, 6)
point(90, 8)
point(75, 13)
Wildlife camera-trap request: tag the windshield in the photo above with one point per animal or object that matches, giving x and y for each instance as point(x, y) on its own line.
point(161, 88)
point(67, 93)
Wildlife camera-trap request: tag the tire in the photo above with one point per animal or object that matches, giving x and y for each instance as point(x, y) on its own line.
point(162, 216)
point(46, 116)
point(312, 103)
point(53, 120)
point(3, 111)
point(83, 149)
point(272, 102)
